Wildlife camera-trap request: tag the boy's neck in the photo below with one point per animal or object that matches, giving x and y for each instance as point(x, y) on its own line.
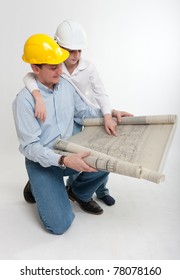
point(71, 68)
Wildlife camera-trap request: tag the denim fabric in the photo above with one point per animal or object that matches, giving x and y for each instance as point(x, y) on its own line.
point(51, 197)
point(102, 190)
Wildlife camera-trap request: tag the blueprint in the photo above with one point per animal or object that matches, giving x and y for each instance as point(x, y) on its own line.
point(139, 150)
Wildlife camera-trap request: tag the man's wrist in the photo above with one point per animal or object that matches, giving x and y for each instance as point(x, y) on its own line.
point(61, 162)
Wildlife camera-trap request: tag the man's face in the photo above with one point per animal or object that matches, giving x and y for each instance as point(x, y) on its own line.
point(48, 74)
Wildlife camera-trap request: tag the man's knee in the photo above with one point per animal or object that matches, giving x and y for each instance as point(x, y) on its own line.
point(60, 226)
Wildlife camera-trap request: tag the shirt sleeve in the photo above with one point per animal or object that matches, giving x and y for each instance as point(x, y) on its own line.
point(83, 111)
point(30, 82)
point(100, 94)
point(29, 131)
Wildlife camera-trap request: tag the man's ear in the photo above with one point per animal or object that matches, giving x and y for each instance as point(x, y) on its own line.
point(35, 68)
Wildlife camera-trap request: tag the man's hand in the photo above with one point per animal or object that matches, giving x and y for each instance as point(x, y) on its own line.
point(76, 162)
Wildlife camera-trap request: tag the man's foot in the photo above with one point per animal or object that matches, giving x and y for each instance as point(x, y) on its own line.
point(90, 206)
point(28, 196)
point(108, 200)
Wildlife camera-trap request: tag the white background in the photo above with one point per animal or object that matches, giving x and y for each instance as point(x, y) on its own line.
point(135, 45)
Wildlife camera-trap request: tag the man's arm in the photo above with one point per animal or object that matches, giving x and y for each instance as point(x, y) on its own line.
point(29, 131)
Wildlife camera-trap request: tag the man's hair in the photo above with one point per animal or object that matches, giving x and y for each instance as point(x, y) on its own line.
point(39, 65)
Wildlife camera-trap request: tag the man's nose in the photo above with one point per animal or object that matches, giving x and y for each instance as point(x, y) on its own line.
point(59, 69)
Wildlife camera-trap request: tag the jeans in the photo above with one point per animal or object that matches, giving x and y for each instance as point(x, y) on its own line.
point(51, 197)
point(102, 190)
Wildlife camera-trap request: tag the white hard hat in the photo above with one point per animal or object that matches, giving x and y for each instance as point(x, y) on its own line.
point(71, 35)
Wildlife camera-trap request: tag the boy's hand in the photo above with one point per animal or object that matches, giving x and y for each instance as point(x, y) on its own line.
point(110, 124)
point(120, 114)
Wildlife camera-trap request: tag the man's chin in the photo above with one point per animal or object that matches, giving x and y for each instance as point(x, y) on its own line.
point(56, 80)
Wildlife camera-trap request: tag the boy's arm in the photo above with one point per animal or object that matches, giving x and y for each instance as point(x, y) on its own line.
point(40, 109)
point(102, 99)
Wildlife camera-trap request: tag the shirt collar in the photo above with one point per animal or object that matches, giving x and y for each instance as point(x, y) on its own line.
point(44, 89)
point(81, 66)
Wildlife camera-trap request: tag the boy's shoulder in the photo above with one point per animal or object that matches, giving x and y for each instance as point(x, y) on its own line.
point(87, 64)
point(84, 62)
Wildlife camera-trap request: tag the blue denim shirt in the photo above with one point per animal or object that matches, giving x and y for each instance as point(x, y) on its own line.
point(63, 107)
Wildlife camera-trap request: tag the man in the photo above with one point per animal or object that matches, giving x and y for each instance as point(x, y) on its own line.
point(45, 168)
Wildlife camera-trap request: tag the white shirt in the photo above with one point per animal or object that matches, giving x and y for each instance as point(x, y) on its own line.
point(87, 82)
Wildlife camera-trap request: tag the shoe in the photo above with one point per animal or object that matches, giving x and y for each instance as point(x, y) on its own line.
point(108, 200)
point(28, 196)
point(90, 206)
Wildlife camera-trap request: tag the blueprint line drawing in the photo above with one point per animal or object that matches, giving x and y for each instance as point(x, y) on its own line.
point(139, 150)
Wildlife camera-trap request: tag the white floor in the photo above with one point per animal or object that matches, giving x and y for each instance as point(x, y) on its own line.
point(143, 224)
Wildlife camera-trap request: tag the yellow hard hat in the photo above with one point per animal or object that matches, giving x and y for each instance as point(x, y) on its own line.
point(42, 49)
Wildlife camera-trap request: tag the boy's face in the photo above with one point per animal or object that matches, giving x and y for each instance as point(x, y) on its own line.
point(74, 56)
point(48, 74)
